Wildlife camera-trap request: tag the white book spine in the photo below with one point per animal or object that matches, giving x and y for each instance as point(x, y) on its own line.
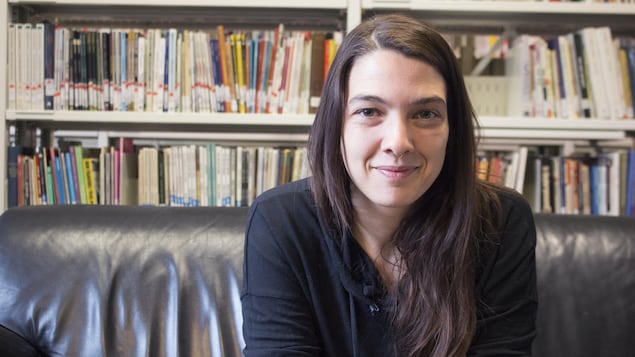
point(251, 177)
point(522, 166)
point(260, 169)
point(171, 90)
point(159, 72)
point(608, 59)
point(239, 176)
point(11, 69)
point(598, 92)
point(274, 94)
point(141, 73)
point(190, 98)
point(178, 71)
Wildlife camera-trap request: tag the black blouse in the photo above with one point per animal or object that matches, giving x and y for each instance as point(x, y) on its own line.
point(307, 294)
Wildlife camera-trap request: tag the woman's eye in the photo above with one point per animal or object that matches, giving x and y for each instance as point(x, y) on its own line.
point(426, 114)
point(367, 112)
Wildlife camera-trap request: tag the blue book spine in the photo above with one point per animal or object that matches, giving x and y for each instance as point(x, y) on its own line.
point(265, 76)
point(593, 182)
point(60, 180)
point(71, 178)
point(630, 59)
point(253, 74)
point(630, 184)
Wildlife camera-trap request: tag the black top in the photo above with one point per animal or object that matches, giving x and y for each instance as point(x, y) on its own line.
point(307, 294)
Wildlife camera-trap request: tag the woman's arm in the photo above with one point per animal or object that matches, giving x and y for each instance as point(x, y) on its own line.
point(278, 318)
point(506, 321)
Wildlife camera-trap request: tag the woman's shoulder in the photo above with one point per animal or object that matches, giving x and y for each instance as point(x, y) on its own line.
point(516, 225)
point(511, 202)
point(286, 211)
point(283, 222)
point(288, 198)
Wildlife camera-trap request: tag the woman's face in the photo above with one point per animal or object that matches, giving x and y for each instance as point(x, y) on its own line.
point(395, 129)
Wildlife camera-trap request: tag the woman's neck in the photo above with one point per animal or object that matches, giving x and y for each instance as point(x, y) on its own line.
point(373, 229)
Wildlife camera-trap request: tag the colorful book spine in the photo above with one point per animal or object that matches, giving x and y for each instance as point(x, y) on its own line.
point(71, 179)
point(630, 184)
point(89, 179)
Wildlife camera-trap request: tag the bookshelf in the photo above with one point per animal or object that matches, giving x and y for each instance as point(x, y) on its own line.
point(465, 16)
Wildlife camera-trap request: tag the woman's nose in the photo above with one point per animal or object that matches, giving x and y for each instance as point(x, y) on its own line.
point(397, 140)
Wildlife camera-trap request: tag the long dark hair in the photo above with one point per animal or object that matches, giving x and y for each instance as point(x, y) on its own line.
point(434, 304)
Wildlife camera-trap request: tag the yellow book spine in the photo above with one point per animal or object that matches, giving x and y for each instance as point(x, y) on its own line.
point(89, 180)
point(240, 70)
point(628, 97)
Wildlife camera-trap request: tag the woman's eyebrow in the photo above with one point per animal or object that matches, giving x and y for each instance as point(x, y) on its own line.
point(366, 98)
point(373, 98)
point(430, 100)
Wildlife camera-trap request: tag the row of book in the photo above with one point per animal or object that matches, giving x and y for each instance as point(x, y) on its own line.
point(122, 174)
point(50, 176)
point(221, 175)
point(503, 168)
point(598, 185)
point(583, 74)
point(52, 67)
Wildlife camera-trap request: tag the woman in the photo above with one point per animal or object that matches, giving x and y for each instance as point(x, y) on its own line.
point(392, 247)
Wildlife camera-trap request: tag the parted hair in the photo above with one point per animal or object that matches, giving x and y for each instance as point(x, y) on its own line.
point(433, 304)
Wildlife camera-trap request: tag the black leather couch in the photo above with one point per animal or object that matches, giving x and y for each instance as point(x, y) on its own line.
point(159, 281)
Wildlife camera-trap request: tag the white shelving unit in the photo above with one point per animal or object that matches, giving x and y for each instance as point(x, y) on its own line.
point(456, 14)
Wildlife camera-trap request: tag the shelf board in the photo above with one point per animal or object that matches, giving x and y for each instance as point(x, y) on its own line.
point(291, 4)
point(558, 124)
point(154, 119)
point(491, 127)
point(532, 17)
point(503, 7)
point(550, 129)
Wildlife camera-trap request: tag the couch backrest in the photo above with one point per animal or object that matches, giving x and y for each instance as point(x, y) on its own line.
point(121, 281)
point(586, 286)
point(165, 281)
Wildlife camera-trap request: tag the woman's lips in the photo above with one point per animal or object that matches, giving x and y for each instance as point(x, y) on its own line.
point(396, 171)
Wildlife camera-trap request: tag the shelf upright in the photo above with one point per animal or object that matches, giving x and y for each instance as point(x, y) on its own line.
point(4, 20)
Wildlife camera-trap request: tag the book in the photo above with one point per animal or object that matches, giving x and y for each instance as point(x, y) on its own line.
point(13, 152)
point(56, 174)
point(518, 72)
point(70, 178)
point(630, 59)
point(49, 70)
point(90, 174)
point(630, 185)
point(65, 177)
point(128, 172)
point(316, 80)
point(582, 75)
point(78, 152)
point(12, 51)
point(599, 92)
point(73, 173)
point(533, 183)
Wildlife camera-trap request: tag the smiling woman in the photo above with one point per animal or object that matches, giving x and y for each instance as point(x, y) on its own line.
point(392, 247)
